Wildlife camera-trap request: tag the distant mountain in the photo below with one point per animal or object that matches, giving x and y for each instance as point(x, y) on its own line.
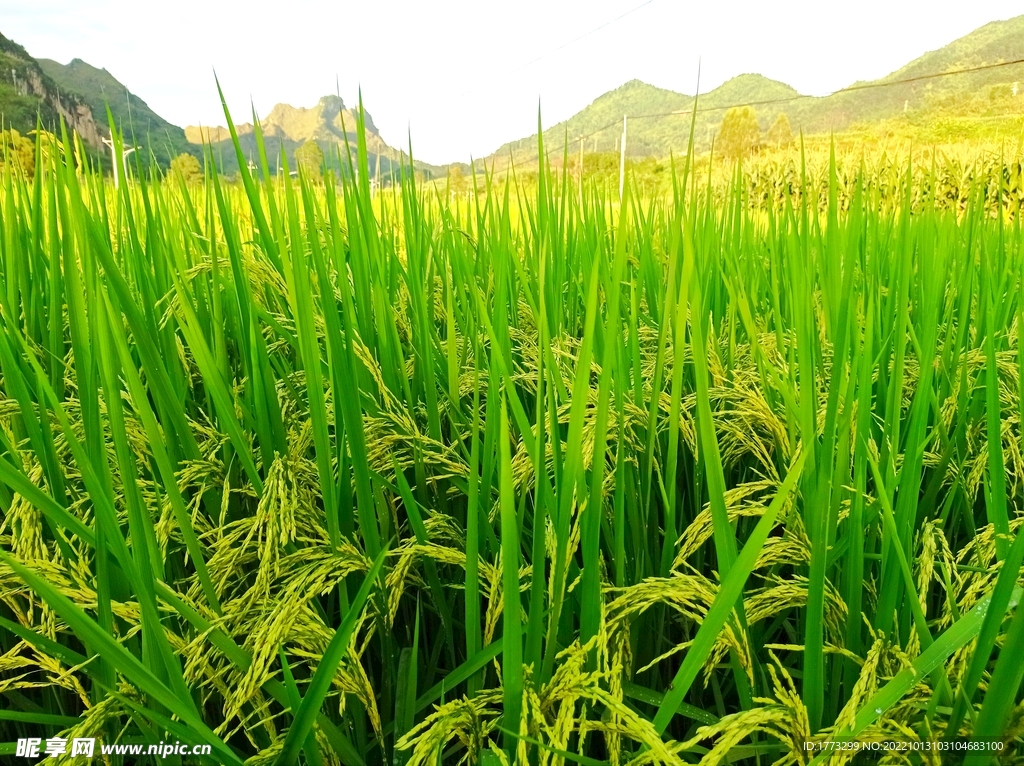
point(605, 117)
point(659, 121)
point(132, 115)
point(995, 43)
point(28, 94)
point(287, 127)
point(657, 127)
point(80, 93)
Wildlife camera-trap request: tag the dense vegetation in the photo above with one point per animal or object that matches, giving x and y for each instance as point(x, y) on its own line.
point(28, 97)
point(319, 476)
point(102, 91)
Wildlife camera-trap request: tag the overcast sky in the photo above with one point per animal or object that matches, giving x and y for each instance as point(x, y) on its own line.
point(465, 76)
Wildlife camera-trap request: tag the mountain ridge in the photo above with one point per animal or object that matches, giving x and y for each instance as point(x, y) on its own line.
point(329, 124)
point(658, 123)
point(658, 126)
point(29, 96)
point(132, 116)
point(42, 89)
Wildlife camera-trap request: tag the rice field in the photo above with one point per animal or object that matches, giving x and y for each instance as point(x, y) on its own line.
point(317, 476)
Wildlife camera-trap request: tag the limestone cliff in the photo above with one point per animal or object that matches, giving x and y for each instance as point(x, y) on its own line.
point(27, 93)
point(287, 127)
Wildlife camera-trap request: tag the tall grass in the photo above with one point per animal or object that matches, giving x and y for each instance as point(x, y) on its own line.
point(320, 477)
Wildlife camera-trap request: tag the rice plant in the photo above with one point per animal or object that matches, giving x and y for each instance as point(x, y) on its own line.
point(318, 476)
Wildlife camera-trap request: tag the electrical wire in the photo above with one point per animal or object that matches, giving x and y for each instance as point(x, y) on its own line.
point(584, 35)
point(849, 89)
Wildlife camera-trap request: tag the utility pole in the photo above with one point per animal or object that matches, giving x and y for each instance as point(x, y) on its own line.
point(376, 178)
point(122, 165)
point(622, 158)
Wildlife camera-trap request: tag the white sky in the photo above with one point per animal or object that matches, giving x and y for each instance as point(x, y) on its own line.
point(457, 73)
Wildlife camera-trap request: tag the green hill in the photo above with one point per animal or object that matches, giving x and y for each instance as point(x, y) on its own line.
point(659, 121)
point(131, 114)
point(994, 43)
point(28, 96)
point(969, 95)
point(42, 89)
point(601, 122)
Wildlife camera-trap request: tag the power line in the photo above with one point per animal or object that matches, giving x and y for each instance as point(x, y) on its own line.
point(565, 45)
point(584, 35)
point(765, 102)
point(849, 89)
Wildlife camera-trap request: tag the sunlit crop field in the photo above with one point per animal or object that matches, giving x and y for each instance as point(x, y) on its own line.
point(316, 476)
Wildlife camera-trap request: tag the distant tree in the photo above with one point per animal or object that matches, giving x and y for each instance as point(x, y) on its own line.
point(780, 134)
point(1000, 92)
point(18, 151)
point(187, 168)
point(310, 159)
point(457, 182)
point(739, 133)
